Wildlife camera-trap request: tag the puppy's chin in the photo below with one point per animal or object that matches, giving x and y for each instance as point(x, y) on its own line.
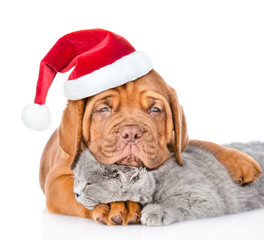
point(131, 161)
point(142, 154)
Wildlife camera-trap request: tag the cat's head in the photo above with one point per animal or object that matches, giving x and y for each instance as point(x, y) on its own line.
point(96, 183)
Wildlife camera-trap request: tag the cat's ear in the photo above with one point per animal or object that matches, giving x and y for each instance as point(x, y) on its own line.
point(123, 177)
point(135, 176)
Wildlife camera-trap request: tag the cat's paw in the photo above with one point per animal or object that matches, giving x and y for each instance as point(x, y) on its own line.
point(154, 215)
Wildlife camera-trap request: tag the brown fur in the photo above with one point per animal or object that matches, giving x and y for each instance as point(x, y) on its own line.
point(85, 125)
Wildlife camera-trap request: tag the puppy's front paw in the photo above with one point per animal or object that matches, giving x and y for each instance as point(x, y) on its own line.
point(242, 167)
point(117, 213)
point(154, 215)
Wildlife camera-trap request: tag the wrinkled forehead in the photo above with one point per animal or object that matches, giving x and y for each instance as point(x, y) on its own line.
point(132, 93)
point(150, 82)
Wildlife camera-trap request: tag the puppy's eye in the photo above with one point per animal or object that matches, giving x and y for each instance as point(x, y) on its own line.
point(155, 109)
point(104, 109)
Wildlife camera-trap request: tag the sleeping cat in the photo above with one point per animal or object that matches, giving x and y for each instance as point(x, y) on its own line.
point(96, 183)
point(171, 193)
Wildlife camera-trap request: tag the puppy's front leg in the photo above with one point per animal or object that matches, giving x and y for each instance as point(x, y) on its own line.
point(60, 199)
point(59, 193)
point(242, 167)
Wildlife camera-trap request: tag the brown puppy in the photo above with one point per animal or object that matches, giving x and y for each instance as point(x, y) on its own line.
point(139, 123)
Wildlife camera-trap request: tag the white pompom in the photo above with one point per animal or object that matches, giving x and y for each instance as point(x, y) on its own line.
point(36, 117)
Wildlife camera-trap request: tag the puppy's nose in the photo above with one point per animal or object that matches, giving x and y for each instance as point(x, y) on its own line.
point(131, 134)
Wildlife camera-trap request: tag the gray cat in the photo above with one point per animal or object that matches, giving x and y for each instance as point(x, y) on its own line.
point(202, 188)
point(96, 183)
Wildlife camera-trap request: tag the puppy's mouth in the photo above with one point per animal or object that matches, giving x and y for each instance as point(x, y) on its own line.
point(130, 155)
point(137, 153)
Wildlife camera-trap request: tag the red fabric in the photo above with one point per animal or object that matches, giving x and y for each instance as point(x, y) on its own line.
point(87, 50)
point(46, 76)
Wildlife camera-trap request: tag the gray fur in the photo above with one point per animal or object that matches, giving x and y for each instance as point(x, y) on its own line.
point(202, 188)
point(97, 183)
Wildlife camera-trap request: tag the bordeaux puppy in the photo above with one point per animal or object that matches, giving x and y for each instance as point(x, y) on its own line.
point(138, 123)
point(122, 111)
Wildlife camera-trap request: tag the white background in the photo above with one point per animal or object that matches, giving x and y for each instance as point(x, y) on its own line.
point(211, 52)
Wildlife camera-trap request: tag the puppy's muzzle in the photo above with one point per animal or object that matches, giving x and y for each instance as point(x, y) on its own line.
point(131, 134)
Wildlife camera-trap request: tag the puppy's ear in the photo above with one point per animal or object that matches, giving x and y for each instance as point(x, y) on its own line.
point(180, 137)
point(70, 130)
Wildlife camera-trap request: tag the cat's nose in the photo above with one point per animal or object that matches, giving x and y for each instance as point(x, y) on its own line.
point(77, 195)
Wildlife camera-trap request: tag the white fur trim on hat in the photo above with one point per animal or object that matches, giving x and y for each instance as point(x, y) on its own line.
point(125, 69)
point(36, 117)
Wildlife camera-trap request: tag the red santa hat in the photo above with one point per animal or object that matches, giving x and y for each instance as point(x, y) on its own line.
point(102, 60)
